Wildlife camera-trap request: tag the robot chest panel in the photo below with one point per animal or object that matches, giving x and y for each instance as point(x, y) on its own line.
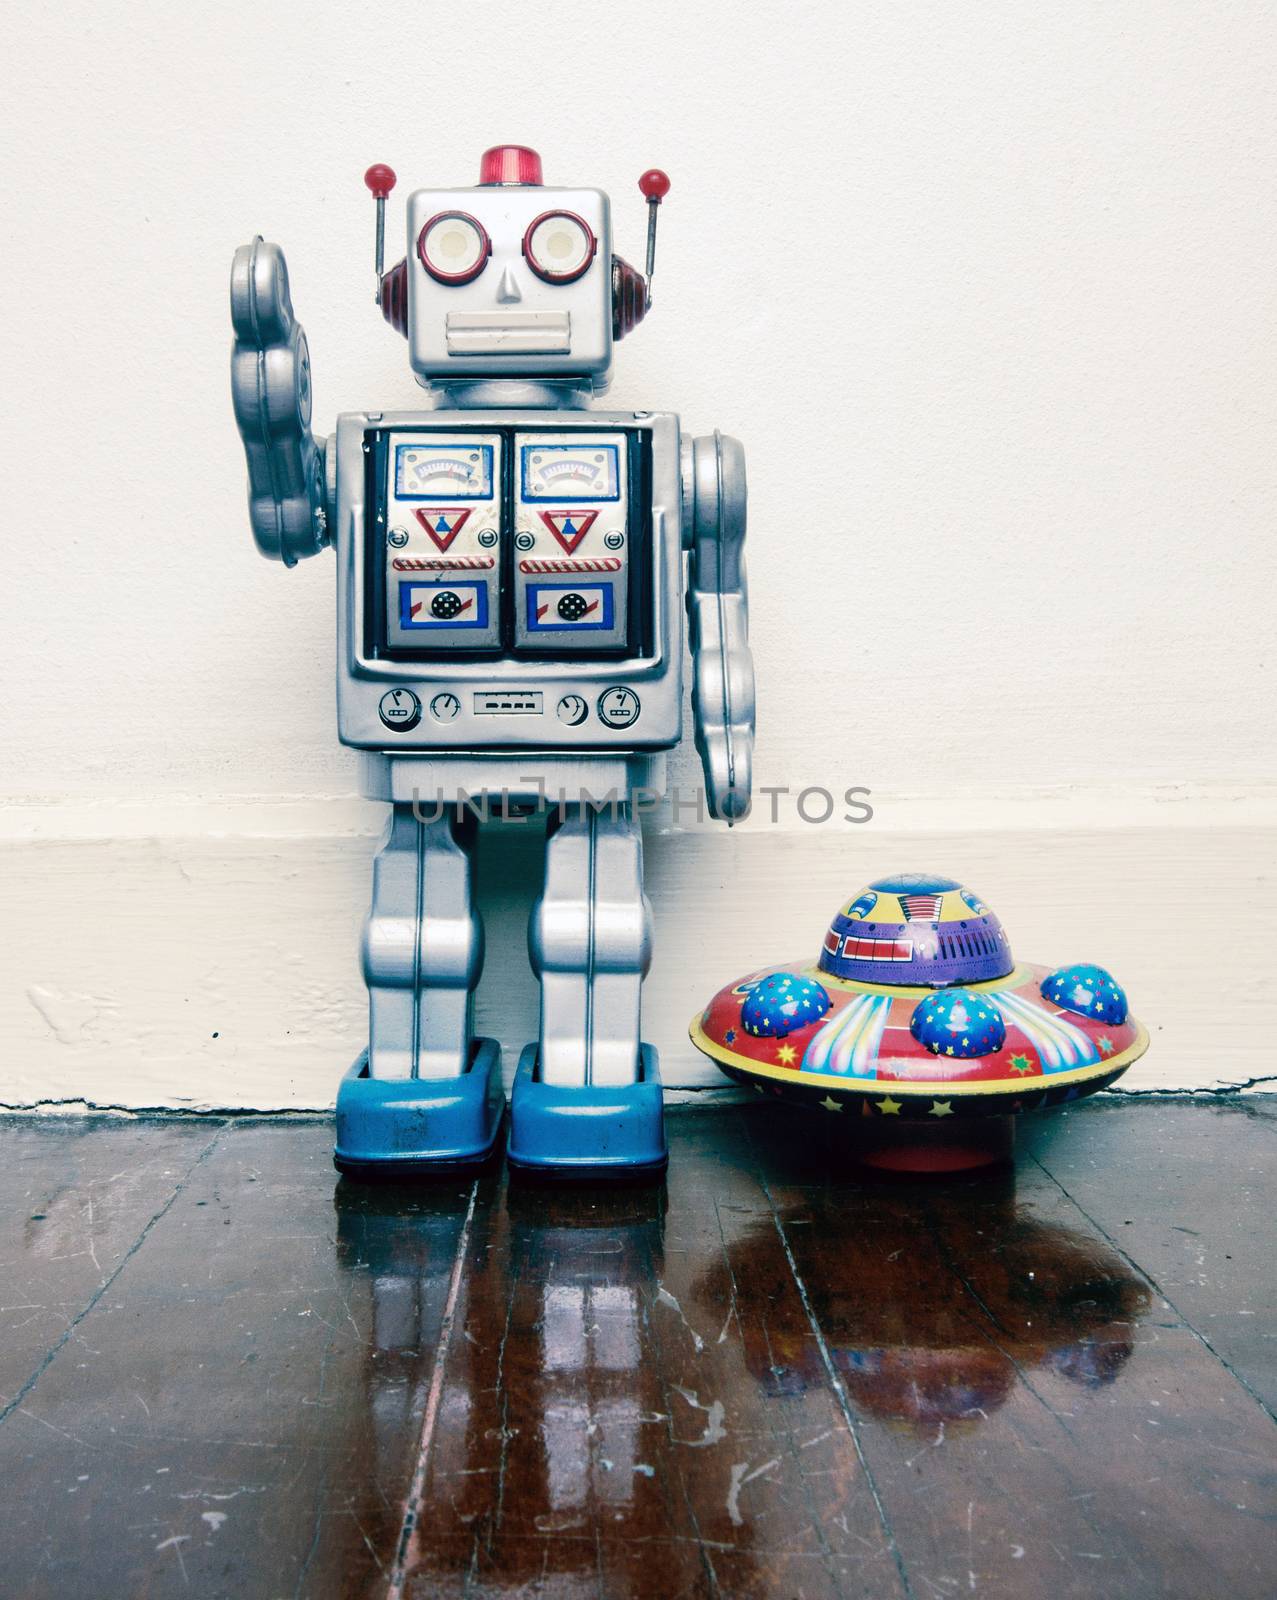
point(521, 541)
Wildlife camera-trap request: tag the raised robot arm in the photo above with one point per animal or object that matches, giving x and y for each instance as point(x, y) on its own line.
point(270, 385)
point(714, 497)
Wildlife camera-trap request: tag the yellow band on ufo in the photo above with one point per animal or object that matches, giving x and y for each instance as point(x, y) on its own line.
point(895, 1087)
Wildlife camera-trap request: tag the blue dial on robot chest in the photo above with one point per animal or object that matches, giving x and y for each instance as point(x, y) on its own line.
point(552, 472)
point(423, 472)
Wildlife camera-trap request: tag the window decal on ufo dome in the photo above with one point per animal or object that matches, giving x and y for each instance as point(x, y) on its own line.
point(917, 928)
point(916, 1008)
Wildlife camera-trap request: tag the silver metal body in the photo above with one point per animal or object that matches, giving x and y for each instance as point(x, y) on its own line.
point(270, 388)
point(509, 700)
point(591, 944)
point(498, 640)
point(508, 321)
point(422, 948)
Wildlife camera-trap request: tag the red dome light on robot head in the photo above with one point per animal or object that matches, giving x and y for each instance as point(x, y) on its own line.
point(510, 164)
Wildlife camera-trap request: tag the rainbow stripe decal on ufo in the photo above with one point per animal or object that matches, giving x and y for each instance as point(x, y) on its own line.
point(917, 1009)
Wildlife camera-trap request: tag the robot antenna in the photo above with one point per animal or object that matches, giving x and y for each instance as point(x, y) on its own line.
point(380, 180)
point(654, 185)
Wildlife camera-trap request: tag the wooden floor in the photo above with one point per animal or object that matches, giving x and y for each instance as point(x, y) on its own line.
point(225, 1374)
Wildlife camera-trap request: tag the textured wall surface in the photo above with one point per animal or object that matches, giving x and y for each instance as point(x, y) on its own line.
point(985, 290)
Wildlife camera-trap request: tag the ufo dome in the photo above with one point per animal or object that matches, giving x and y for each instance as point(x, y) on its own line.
point(955, 1022)
point(916, 928)
point(1087, 990)
point(782, 1002)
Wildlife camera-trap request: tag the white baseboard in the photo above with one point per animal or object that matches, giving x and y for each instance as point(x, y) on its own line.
point(204, 955)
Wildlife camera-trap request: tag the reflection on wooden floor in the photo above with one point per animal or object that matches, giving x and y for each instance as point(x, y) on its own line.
point(228, 1374)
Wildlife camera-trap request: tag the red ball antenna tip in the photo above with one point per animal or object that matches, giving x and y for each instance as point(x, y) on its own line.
point(654, 184)
point(380, 179)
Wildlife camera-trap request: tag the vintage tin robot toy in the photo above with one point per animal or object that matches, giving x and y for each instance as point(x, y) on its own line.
point(512, 572)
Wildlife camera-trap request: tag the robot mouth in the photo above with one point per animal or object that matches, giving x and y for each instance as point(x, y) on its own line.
point(486, 333)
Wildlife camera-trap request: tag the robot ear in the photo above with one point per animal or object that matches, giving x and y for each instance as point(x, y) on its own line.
point(629, 297)
point(392, 296)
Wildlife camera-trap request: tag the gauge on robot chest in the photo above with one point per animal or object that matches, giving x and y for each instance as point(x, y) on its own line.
point(571, 472)
point(443, 472)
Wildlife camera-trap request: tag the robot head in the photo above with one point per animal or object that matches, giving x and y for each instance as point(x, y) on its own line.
point(511, 279)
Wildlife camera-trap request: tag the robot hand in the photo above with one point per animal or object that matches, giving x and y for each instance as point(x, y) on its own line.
point(270, 385)
point(718, 614)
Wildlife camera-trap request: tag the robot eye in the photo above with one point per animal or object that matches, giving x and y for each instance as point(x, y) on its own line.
point(453, 247)
point(558, 246)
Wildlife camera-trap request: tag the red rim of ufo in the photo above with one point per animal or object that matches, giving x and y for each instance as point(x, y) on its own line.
point(548, 273)
point(438, 273)
point(510, 164)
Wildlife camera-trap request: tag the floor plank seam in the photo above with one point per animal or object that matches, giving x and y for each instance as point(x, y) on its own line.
point(788, 1440)
point(703, 1545)
point(1148, 1277)
point(995, 1333)
point(503, 1459)
point(60, 1344)
point(840, 1392)
point(430, 1417)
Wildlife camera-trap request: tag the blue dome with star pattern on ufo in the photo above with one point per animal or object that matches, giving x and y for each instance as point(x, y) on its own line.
point(959, 1023)
point(778, 1004)
point(1087, 990)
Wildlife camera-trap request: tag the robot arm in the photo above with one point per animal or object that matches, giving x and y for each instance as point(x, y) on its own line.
point(714, 497)
point(270, 386)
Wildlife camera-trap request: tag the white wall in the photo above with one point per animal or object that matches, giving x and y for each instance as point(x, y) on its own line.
point(1010, 267)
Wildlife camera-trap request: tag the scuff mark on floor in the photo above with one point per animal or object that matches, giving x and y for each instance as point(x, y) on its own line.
point(715, 1432)
point(665, 1298)
point(741, 1475)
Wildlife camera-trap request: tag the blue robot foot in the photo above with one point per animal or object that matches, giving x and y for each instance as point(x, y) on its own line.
point(404, 1129)
point(589, 1132)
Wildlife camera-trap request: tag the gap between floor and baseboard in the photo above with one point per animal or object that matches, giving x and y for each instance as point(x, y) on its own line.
point(700, 1099)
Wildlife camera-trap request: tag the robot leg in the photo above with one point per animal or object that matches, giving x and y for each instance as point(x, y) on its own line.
point(426, 1095)
point(587, 1098)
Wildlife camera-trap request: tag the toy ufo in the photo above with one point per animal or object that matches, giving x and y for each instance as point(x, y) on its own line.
point(917, 1020)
